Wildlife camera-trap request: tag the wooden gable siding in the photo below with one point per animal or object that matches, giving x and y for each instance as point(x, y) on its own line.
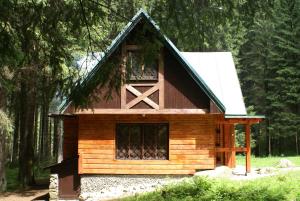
point(178, 90)
point(191, 145)
point(181, 91)
point(113, 101)
point(70, 140)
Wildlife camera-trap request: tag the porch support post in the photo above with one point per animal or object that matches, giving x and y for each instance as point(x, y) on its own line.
point(233, 153)
point(248, 148)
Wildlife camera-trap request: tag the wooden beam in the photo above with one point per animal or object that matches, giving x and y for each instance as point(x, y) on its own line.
point(248, 147)
point(143, 84)
point(161, 81)
point(227, 144)
point(133, 47)
point(232, 132)
point(142, 111)
point(228, 149)
point(123, 85)
point(240, 121)
point(142, 97)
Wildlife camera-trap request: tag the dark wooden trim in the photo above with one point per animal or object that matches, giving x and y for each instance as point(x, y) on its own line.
point(142, 111)
point(123, 66)
point(161, 81)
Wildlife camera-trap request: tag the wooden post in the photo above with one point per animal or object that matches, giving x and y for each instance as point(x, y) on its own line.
point(232, 133)
point(123, 76)
point(161, 80)
point(248, 147)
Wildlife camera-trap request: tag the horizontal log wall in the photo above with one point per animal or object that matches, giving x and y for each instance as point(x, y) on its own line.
point(191, 145)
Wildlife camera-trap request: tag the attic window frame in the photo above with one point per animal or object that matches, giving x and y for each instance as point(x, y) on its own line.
point(136, 78)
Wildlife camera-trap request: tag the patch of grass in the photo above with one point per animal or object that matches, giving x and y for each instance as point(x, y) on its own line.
point(266, 161)
point(12, 177)
point(281, 187)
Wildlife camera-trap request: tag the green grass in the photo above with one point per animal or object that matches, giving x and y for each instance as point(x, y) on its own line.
point(266, 161)
point(281, 187)
point(12, 178)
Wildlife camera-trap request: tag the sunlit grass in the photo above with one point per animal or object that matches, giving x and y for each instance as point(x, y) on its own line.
point(266, 161)
point(281, 187)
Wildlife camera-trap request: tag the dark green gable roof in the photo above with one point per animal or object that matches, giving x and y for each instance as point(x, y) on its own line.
point(142, 15)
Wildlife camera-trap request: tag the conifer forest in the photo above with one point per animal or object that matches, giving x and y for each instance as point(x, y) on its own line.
point(41, 40)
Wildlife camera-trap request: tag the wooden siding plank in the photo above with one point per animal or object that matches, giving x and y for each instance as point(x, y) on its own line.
point(149, 167)
point(191, 145)
point(145, 171)
point(147, 162)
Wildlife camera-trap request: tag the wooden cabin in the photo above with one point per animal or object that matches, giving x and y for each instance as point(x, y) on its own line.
point(173, 117)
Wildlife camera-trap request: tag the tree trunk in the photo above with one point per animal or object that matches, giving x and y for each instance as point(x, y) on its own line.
point(2, 162)
point(297, 147)
point(55, 136)
point(269, 145)
point(23, 136)
point(16, 137)
point(45, 130)
point(269, 138)
point(36, 132)
point(30, 140)
point(50, 139)
point(27, 111)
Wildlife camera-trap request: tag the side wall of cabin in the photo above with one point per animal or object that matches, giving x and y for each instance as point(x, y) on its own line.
point(70, 138)
point(191, 144)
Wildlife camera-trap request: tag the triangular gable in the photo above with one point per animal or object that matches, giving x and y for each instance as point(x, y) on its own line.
point(168, 44)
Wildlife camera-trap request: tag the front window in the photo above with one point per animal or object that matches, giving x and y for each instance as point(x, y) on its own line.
point(142, 141)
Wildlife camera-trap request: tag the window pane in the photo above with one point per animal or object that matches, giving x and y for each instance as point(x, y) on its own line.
point(122, 142)
point(134, 65)
point(151, 71)
point(150, 132)
point(138, 70)
point(135, 148)
point(162, 142)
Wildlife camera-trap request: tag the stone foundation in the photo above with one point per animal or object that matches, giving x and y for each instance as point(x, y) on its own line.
point(102, 187)
point(53, 187)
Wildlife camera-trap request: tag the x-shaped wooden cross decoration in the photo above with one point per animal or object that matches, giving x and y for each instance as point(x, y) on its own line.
point(142, 96)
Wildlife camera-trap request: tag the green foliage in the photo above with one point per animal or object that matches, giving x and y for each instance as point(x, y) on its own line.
point(270, 70)
point(282, 187)
point(5, 123)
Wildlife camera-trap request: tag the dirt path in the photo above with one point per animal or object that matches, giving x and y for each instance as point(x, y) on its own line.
point(33, 194)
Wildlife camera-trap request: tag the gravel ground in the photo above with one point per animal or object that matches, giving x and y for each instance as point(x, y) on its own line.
point(109, 187)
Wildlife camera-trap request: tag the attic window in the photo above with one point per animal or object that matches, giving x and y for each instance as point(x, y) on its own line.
point(142, 141)
point(138, 70)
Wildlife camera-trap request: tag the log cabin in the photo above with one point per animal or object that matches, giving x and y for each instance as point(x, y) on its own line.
point(173, 117)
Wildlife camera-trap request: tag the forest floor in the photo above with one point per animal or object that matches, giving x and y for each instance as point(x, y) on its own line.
point(36, 193)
